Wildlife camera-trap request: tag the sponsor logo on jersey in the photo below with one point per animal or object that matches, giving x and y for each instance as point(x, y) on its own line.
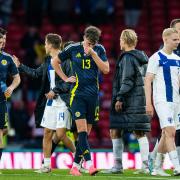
point(78, 55)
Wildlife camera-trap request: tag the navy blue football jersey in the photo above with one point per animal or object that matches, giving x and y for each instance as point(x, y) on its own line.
point(84, 68)
point(7, 67)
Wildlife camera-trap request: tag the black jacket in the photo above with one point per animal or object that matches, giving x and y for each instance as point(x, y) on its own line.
point(177, 51)
point(62, 88)
point(128, 87)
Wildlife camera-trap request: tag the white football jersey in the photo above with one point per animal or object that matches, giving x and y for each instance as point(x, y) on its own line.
point(166, 69)
point(58, 101)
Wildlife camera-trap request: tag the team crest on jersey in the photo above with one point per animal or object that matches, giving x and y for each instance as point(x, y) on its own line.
point(78, 55)
point(4, 62)
point(77, 114)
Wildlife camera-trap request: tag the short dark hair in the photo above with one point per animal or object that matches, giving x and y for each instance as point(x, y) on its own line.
point(55, 40)
point(92, 33)
point(174, 22)
point(3, 31)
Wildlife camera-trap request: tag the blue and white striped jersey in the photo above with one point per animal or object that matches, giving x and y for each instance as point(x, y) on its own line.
point(167, 74)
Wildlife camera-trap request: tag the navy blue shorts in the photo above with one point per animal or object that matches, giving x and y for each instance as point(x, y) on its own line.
point(3, 115)
point(85, 108)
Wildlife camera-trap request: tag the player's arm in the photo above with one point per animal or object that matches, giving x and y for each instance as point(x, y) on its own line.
point(152, 70)
point(148, 93)
point(61, 86)
point(16, 81)
point(102, 65)
point(34, 73)
point(127, 82)
point(56, 64)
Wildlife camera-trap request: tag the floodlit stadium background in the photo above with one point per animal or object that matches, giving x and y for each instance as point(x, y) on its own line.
point(28, 21)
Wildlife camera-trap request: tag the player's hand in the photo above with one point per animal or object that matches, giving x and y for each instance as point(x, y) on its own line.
point(50, 95)
point(150, 110)
point(71, 79)
point(8, 92)
point(16, 61)
point(88, 50)
point(118, 106)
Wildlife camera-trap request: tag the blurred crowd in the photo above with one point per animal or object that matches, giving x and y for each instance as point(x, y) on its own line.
point(22, 126)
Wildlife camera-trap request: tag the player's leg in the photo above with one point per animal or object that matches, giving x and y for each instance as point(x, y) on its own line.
point(152, 157)
point(3, 119)
point(177, 123)
point(75, 134)
point(64, 123)
point(92, 117)
point(118, 147)
point(83, 144)
point(5, 129)
point(47, 146)
point(162, 114)
point(82, 147)
point(61, 135)
point(81, 109)
point(170, 138)
point(153, 153)
point(144, 151)
point(159, 159)
point(49, 124)
point(167, 141)
point(78, 108)
point(171, 148)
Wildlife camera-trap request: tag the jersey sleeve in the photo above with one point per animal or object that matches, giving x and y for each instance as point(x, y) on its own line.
point(12, 67)
point(153, 64)
point(65, 54)
point(102, 54)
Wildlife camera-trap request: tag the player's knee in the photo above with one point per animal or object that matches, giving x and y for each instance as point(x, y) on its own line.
point(47, 133)
point(82, 129)
point(169, 132)
point(61, 135)
point(139, 134)
point(115, 133)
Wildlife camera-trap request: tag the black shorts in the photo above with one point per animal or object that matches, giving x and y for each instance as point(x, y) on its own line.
point(85, 108)
point(3, 115)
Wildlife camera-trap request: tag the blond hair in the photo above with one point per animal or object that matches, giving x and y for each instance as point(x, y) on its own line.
point(129, 36)
point(168, 31)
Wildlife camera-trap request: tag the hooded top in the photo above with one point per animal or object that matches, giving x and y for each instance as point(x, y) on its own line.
point(128, 87)
point(129, 75)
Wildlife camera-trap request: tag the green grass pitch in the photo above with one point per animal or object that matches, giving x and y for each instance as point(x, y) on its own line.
point(63, 175)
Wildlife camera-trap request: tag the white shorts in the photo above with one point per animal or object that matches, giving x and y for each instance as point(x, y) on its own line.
point(169, 114)
point(56, 117)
